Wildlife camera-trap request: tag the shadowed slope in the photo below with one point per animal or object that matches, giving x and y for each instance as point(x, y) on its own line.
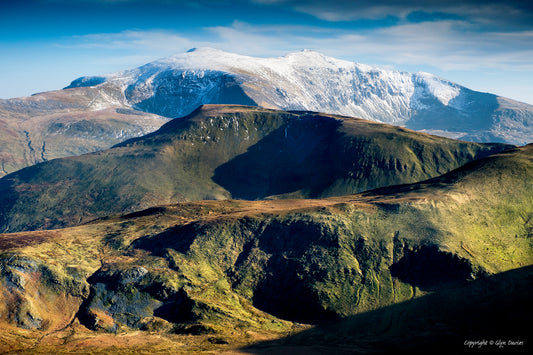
point(488, 315)
point(220, 152)
point(230, 272)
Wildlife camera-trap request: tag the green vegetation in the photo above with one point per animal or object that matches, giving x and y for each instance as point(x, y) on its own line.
point(216, 275)
point(222, 152)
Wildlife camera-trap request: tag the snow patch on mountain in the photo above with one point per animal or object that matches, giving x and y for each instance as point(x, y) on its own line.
point(305, 80)
point(443, 90)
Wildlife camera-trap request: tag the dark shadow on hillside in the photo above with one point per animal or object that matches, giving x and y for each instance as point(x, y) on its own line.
point(11, 194)
point(276, 282)
point(496, 308)
point(178, 238)
point(481, 107)
point(429, 268)
point(172, 92)
point(319, 156)
point(297, 156)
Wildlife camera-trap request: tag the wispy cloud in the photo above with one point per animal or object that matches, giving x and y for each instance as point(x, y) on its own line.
point(448, 45)
point(454, 35)
point(191, 3)
point(154, 40)
point(508, 13)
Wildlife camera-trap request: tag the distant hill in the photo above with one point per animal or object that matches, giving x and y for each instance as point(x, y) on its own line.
point(57, 124)
point(94, 113)
point(417, 268)
point(222, 152)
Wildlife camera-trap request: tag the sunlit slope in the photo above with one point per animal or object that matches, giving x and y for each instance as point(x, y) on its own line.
point(225, 268)
point(62, 123)
point(222, 152)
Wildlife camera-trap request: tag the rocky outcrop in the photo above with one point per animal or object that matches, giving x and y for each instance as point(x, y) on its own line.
point(39, 296)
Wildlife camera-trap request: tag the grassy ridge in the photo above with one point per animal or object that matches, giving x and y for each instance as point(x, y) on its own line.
point(222, 152)
point(223, 270)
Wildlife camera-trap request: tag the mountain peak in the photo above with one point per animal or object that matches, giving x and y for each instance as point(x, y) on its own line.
point(306, 53)
point(312, 57)
point(198, 58)
point(205, 50)
point(312, 81)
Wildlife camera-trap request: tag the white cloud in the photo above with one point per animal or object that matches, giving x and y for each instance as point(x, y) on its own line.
point(265, 40)
point(448, 45)
point(145, 41)
point(439, 46)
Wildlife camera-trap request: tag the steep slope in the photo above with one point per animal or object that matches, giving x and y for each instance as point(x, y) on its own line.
point(230, 272)
point(222, 152)
point(64, 123)
point(307, 80)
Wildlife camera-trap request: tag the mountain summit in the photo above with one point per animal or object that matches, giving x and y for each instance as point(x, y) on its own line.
point(229, 151)
point(94, 113)
point(308, 80)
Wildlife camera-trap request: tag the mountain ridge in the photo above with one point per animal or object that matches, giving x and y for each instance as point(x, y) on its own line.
point(97, 112)
point(311, 81)
point(228, 151)
point(217, 275)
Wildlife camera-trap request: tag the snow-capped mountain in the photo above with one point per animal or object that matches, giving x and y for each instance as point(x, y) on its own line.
point(308, 80)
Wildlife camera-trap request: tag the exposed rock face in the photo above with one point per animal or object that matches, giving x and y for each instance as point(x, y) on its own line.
point(38, 296)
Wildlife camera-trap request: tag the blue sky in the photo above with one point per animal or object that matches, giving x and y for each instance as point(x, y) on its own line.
point(484, 45)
